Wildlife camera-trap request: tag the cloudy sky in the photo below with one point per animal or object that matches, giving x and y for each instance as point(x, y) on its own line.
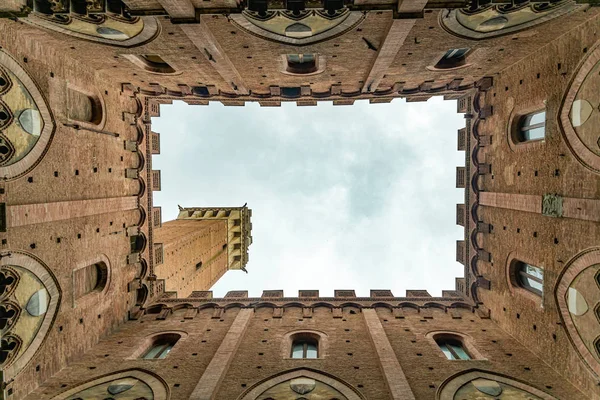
point(348, 197)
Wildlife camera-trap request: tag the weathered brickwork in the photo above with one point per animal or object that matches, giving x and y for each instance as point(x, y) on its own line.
point(78, 220)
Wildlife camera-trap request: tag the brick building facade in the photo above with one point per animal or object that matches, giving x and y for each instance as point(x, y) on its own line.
point(100, 299)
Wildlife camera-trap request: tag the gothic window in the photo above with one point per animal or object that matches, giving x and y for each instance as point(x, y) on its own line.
point(452, 59)
point(305, 348)
point(532, 127)
point(161, 346)
point(530, 277)
point(89, 279)
point(453, 348)
point(301, 63)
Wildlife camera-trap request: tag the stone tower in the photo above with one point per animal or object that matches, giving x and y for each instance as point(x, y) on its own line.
point(195, 250)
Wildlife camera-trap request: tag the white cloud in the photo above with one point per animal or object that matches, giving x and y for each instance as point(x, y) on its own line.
point(359, 197)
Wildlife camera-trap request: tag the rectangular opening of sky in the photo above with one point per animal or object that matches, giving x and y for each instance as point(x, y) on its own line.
point(343, 197)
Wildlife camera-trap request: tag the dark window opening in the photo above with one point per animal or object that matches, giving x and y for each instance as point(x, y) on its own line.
point(305, 348)
point(453, 58)
point(453, 349)
point(90, 279)
point(199, 265)
point(155, 63)
point(137, 243)
point(290, 92)
point(301, 63)
point(161, 347)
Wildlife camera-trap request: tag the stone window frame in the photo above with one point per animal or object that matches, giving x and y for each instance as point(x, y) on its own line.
point(515, 121)
point(576, 265)
point(289, 338)
point(513, 284)
point(37, 153)
point(98, 105)
point(465, 339)
point(341, 386)
point(150, 31)
point(451, 385)
point(156, 383)
point(144, 346)
point(95, 296)
point(43, 273)
point(321, 64)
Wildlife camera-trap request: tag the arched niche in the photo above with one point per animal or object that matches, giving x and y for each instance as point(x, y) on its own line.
point(304, 381)
point(131, 384)
point(26, 124)
point(108, 28)
point(578, 298)
point(579, 115)
point(488, 21)
point(30, 300)
point(308, 27)
point(476, 384)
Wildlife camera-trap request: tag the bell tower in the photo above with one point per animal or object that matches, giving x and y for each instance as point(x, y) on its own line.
point(201, 245)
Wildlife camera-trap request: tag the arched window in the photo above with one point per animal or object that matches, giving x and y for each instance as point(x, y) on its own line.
point(301, 63)
point(161, 346)
point(83, 107)
point(452, 59)
point(305, 348)
point(453, 348)
point(532, 127)
point(529, 277)
point(151, 63)
point(137, 243)
point(89, 279)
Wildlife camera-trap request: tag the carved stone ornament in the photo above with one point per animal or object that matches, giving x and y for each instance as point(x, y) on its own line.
point(552, 205)
point(302, 385)
point(9, 279)
point(9, 347)
point(9, 313)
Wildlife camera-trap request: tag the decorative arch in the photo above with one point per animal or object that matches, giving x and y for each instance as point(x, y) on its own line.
point(579, 115)
point(30, 300)
point(26, 122)
point(134, 383)
point(308, 27)
point(577, 296)
point(499, 387)
point(109, 29)
point(302, 381)
point(487, 21)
